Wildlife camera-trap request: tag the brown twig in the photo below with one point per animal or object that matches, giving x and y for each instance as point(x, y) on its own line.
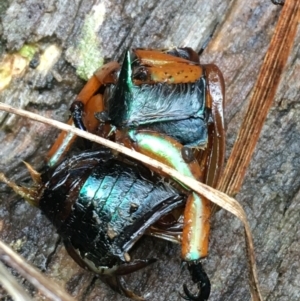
point(261, 101)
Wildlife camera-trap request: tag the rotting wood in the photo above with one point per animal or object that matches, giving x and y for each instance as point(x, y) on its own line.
point(226, 258)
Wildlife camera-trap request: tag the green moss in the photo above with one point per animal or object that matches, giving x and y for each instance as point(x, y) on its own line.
point(4, 4)
point(28, 51)
point(89, 50)
point(87, 56)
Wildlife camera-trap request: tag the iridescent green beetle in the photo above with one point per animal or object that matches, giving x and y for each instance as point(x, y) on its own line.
point(168, 106)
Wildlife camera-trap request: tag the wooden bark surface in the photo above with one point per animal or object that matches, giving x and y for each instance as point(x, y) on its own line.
point(270, 194)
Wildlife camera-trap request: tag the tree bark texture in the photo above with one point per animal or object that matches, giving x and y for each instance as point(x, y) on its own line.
point(270, 193)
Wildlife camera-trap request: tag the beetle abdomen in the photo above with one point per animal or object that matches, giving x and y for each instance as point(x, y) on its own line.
point(102, 206)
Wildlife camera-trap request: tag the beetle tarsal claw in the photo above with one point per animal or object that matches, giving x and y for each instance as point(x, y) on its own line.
point(200, 278)
point(190, 296)
point(117, 283)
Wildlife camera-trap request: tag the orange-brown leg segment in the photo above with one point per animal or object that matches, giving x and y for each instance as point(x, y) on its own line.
point(211, 161)
point(92, 103)
point(197, 211)
point(164, 149)
point(196, 227)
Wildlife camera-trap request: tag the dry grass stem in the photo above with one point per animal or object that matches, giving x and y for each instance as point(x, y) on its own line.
point(9, 283)
point(46, 286)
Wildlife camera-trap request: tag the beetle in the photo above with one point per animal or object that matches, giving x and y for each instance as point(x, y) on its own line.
point(101, 205)
point(164, 104)
point(165, 99)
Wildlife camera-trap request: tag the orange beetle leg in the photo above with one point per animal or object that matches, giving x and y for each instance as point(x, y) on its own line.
point(196, 228)
point(165, 150)
point(95, 104)
point(93, 125)
point(197, 214)
point(193, 233)
point(197, 211)
point(92, 103)
point(195, 236)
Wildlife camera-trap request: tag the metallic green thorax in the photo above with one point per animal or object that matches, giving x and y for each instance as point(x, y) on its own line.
point(161, 105)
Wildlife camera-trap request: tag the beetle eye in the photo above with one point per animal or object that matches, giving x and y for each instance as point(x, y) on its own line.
point(187, 154)
point(140, 74)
